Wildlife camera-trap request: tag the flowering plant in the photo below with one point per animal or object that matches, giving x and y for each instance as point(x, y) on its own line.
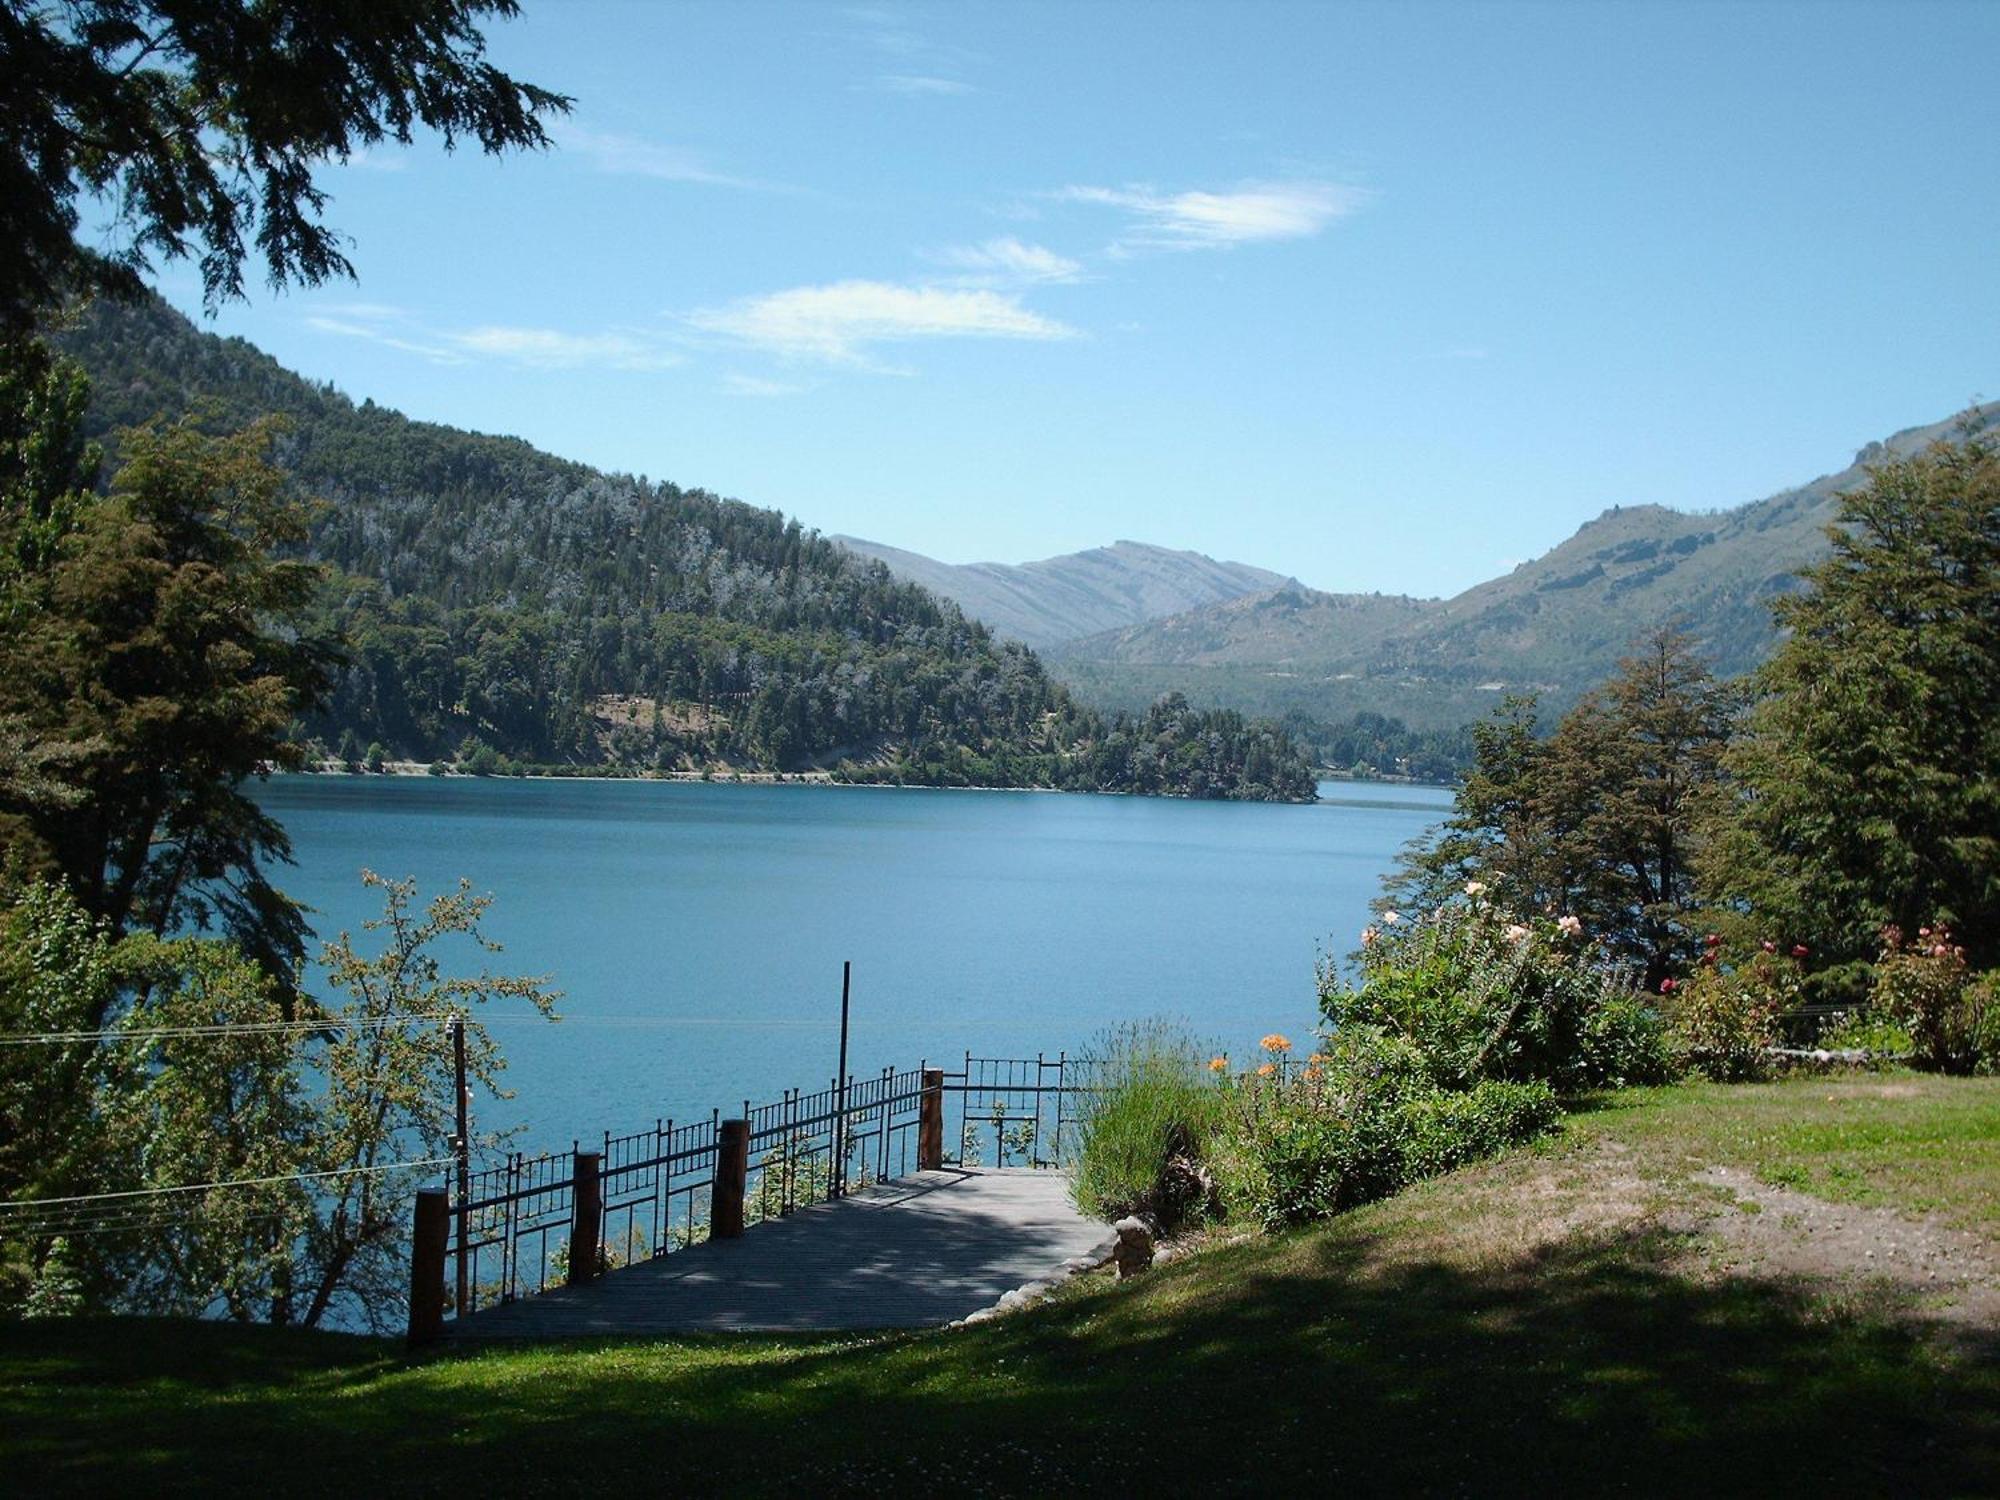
point(1723, 1017)
point(1485, 993)
point(1924, 984)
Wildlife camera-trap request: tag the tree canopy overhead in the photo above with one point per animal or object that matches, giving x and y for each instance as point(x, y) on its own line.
point(200, 126)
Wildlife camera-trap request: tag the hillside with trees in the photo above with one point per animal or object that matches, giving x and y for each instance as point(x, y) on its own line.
point(503, 607)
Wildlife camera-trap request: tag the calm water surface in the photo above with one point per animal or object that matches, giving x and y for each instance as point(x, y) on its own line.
point(697, 931)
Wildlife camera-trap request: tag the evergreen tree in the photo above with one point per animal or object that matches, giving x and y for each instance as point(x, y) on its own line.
point(1602, 820)
point(1870, 774)
point(204, 124)
point(152, 658)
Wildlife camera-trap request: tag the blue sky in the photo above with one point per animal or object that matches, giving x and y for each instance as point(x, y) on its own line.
point(1386, 297)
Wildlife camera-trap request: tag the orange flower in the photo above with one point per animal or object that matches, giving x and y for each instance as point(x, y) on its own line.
point(1317, 1058)
point(1218, 1065)
point(1276, 1042)
point(1266, 1070)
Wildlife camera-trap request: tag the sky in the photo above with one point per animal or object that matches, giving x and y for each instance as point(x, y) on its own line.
point(1383, 297)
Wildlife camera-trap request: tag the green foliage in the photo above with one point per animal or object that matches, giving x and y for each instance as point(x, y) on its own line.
point(1867, 1032)
point(1868, 795)
point(1146, 1121)
point(202, 128)
point(220, 1105)
point(144, 1109)
point(1371, 744)
point(199, 1079)
point(57, 975)
point(1364, 1120)
point(386, 1065)
point(1724, 1016)
point(1481, 996)
point(1924, 985)
point(1602, 820)
point(151, 659)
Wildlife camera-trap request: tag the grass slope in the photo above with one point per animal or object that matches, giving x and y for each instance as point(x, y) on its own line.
point(1565, 1318)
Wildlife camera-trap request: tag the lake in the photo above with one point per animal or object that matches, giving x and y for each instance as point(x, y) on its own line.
point(698, 930)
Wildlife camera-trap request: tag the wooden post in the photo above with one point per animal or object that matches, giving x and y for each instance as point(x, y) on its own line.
point(432, 1224)
point(587, 1205)
point(732, 1179)
point(930, 1122)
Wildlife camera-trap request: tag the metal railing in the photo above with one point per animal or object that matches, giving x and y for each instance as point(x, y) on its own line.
point(513, 1231)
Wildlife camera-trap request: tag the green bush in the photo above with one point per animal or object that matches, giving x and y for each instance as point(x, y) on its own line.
point(1924, 985)
point(1723, 1018)
point(1867, 1032)
point(1146, 1123)
point(1485, 997)
point(1362, 1121)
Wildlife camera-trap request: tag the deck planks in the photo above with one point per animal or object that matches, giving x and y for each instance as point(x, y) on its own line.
point(916, 1252)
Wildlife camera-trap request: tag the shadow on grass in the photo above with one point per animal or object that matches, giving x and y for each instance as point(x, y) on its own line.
point(1592, 1367)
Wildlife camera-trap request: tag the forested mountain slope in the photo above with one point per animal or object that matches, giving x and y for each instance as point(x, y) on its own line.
point(1554, 626)
point(499, 601)
point(1080, 593)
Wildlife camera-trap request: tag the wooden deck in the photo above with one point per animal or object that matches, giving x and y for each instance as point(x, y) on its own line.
point(917, 1252)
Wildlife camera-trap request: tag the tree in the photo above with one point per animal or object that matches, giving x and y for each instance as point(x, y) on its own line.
point(1868, 783)
point(1601, 821)
point(387, 1066)
point(262, 1159)
point(159, 645)
point(200, 126)
point(148, 1103)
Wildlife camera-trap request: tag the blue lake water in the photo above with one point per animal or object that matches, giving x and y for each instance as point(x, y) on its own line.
point(697, 930)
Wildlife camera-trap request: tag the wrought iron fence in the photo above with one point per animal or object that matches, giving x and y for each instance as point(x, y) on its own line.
point(512, 1229)
point(1013, 1111)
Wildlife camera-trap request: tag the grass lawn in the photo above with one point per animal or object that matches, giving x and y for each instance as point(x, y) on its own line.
point(1554, 1321)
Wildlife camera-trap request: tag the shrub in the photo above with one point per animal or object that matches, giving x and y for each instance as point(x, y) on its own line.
point(1145, 1126)
point(1486, 997)
point(1361, 1122)
point(1924, 985)
point(1866, 1031)
point(1723, 1018)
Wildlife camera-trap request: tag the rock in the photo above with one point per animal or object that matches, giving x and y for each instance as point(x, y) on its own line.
point(1134, 1251)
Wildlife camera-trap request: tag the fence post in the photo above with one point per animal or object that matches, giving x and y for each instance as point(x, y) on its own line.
point(427, 1243)
point(732, 1179)
point(930, 1122)
point(586, 1217)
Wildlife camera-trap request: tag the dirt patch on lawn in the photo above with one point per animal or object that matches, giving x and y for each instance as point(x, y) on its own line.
point(1944, 1274)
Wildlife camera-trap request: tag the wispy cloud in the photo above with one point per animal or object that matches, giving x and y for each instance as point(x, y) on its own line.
point(1009, 260)
point(921, 65)
point(839, 322)
point(528, 348)
point(734, 384)
point(376, 333)
point(630, 156)
point(918, 84)
point(551, 349)
point(1252, 213)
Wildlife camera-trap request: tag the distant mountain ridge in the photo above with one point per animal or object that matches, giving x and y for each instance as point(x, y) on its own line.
point(1554, 626)
point(1080, 594)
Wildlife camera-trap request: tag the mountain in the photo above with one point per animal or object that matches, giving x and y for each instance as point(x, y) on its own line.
point(501, 605)
point(1081, 593)
point(1555, 626)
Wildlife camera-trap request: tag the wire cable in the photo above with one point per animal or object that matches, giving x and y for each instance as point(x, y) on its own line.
point(203, 1187)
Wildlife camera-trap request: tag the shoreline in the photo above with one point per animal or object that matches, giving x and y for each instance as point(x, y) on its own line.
point(411, 769)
